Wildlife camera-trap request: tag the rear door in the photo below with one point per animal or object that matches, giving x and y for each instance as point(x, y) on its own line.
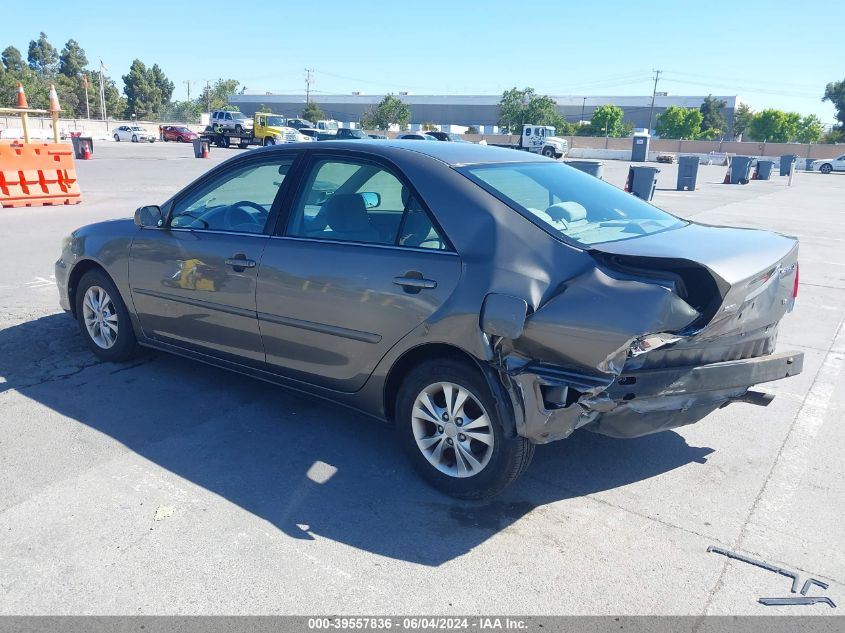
point(193, 281)
point(358, 266)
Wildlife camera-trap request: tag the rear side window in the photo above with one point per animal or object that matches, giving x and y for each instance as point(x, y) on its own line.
point(571, 204)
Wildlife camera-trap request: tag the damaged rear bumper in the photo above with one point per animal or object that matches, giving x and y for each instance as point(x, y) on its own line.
point(634, 403)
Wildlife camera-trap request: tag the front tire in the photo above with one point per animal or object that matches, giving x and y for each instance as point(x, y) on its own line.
point(269, 141)
point(449, 426)
point(826, 168)
point(103, 318)
point(239, 129)
point(134, 139)
point(549, 152)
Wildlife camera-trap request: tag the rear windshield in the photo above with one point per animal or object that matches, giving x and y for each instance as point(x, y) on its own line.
point(569, 203)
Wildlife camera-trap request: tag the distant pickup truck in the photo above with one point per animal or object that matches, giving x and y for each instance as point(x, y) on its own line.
point(267, 129)
point(343, 133)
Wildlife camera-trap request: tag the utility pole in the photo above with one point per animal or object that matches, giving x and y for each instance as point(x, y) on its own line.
point(653, 95)
point(308, 81)
point(207, 95)
point(188, 83)
point(85, 85)
point(583, 105)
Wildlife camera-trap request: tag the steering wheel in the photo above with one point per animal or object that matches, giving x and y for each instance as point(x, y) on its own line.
point(238, 208)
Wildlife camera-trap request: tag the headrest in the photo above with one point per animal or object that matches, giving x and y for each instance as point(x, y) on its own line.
point(567, 211)
point(345, 212)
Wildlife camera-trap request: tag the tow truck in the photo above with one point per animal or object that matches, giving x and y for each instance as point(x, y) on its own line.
point(267, 129)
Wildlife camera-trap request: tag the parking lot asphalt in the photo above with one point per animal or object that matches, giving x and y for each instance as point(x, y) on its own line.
point(163, 486)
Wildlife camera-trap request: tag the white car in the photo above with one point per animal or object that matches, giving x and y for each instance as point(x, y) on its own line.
point(132, 133)
point(235, 121)
point(827, 165)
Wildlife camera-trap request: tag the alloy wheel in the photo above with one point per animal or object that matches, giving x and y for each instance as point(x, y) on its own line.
point(100, 317)
point(452, 429)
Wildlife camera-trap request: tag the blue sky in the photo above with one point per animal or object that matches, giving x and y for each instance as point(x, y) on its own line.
point(773, 54)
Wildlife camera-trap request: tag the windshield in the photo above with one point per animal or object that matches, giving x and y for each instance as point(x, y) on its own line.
point(275, 121)
point(183, 129)
point(569, 203)
point(136, 129)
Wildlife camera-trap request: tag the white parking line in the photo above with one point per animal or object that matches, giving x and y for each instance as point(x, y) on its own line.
point(41, 282)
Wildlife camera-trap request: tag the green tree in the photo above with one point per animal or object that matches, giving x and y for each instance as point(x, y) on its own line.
point(216, 96)
point(774, 126)
point(743, 115)
point(12, 59)
point(312, 112)
point(42, 56)
point(162, 83)
point(607, 121)
point(835, 93)
point(72, 60)
point(390, 111)
point(712, 117)
point(148, 90)
point(520, 107)
point(677, 122)
point(810, 129)
point(142, 95)
point(472, 129)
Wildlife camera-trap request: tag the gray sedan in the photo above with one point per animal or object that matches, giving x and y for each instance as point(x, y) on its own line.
point(482, 300)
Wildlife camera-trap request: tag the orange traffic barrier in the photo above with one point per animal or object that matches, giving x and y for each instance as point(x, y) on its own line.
point(37, 174)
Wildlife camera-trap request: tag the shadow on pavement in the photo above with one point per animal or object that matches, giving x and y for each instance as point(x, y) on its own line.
point(308, 467)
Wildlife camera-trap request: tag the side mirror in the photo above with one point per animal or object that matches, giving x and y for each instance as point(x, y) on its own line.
point(371, 199)
point(149, 216)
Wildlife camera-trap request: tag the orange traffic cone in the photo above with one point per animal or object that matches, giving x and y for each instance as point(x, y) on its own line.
point(21, 102)
point(86, 152)
point(54, 100)
point(727, 179)
point(205, 150)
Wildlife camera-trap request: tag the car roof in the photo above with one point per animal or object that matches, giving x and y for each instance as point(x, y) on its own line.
point(449, 153)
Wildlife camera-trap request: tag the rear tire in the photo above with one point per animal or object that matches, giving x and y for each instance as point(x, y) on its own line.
point(103, 318)
point(826, 168)
point(466, 453)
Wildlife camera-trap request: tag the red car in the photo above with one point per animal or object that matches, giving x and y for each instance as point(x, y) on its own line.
point(178, 133)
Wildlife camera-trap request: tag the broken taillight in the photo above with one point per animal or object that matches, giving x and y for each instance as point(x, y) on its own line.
point(795, 287)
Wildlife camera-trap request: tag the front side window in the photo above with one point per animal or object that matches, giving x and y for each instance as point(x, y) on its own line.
point(570, 204)
point(239, 202)
point(357, 201)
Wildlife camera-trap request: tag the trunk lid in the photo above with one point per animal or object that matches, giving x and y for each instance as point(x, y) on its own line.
point(739, 279)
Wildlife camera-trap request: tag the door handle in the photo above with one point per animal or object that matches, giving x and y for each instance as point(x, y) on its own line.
point(415, 284)
point(239, 262)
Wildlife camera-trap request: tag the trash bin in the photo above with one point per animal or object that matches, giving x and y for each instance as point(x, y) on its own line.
point(198, 147)
point(80, 143)
point(786, 162)
point(764, 169)
point(639, 148)
point(642, 182)
point(808, 164)
point(740, 170)
point(687, 172)
point(592, 167)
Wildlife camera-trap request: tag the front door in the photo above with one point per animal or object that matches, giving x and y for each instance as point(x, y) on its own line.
point(359, 266)
point(193, 281)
